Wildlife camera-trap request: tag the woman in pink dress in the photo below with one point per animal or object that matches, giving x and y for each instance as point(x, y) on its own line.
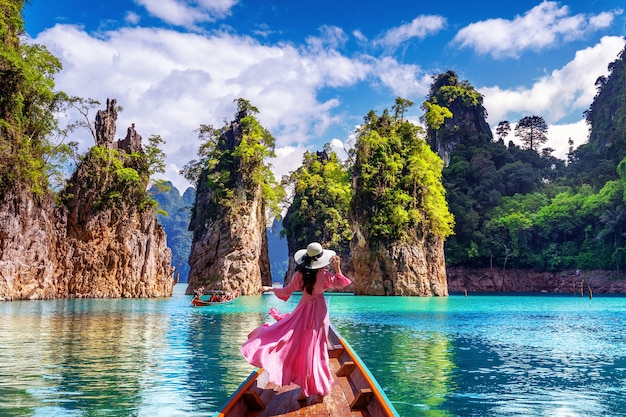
point(294, 349)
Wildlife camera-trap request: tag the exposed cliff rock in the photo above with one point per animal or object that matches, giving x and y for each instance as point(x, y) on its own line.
point(399, 268)
point(29, 247)
point(468, 123)
point(103, 241)
point(231, 252)
point(229, 248)
point(524, 281)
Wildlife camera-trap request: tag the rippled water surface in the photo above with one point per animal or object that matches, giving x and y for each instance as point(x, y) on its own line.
point(455, 356)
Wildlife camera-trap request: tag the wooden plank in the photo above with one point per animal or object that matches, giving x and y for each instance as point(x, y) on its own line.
point(347, 388)
point(253, 400)
point(376, 410)
point(362, 399)
point(346, 368)
point(336, 402)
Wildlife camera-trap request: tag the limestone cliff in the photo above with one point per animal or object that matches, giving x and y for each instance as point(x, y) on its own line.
point(29, 247)
point(101, 241)
point(576, 282)
point(229, 248)
point(468, 123)
point(399, 268)
point(400, 217)
point(230, 252)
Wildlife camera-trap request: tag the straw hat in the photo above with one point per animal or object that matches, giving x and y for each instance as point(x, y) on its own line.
point(319, 257)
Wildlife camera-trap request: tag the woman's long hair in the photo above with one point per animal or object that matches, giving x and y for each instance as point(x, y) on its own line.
point(309, 276)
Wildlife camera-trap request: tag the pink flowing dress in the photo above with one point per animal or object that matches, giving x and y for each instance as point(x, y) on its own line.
point(294, 348)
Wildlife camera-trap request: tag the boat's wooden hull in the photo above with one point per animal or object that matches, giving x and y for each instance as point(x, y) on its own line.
point(204, 303)
point(354, 393)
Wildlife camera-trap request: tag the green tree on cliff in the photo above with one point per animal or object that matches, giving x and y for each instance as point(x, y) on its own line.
point(233, 161)
point(28, 104)
point(398, 192)
point(321, 203)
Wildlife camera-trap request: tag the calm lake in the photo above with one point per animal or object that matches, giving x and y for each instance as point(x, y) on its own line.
point(481, 355)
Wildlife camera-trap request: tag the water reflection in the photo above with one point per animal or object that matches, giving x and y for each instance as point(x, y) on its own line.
point(475, 356)
point(423, 362)
point(216, 368)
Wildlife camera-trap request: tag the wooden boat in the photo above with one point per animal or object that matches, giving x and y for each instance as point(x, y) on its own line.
point(354, 393)
point(215, 297)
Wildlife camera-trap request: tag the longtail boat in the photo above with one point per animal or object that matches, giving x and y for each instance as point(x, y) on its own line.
point(214, 297)
point(354, 393)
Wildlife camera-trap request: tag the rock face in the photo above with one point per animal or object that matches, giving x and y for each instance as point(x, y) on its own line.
point(416, 269)
point(484, 280)
point(468, 123)
point(29, 247)
point(231, 253)
point(99, 243)
point(229, 248)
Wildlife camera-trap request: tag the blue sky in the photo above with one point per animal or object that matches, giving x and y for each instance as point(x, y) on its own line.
point(314, 69)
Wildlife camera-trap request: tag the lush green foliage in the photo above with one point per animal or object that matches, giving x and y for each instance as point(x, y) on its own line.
point(321, 202)
point(27, 106)
point(398, 192)
point(233, 161)
point(113, 177)
point(525, 209)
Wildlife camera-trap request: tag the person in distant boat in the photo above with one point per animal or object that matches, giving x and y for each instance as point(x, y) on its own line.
point(197, 294)
point(294, 349)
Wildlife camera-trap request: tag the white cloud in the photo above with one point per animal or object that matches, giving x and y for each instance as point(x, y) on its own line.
point(169, 83)
point(188, 13)
point(565, 91)
point(359, 36)
point(132, 18)
point(420, 27)
point(558, 94)
point(559, 136)
point(404, 80)
point(541, 27)
point(331, 37)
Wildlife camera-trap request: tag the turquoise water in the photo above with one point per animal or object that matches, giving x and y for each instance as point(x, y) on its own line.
point(456, 356)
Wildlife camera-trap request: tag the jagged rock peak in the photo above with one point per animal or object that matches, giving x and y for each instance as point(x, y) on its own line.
point(105, 124)
point(131, 143)
point(100, 239)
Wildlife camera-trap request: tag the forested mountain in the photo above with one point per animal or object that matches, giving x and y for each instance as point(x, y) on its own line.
point(174, 215)
point(320, 206)
point(594, 163)
point(521, 207)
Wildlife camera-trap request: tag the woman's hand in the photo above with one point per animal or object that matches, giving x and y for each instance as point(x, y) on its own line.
point(337, 263)
point(267, 289)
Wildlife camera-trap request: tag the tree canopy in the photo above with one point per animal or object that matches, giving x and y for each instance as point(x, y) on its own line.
point(532, 132)
point(233, 161)
point(398, 193)
point(28, 104)
point(320, 208)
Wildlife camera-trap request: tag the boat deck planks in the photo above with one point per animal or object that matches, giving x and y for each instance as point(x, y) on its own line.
point(351, 394)
point(354, 392)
